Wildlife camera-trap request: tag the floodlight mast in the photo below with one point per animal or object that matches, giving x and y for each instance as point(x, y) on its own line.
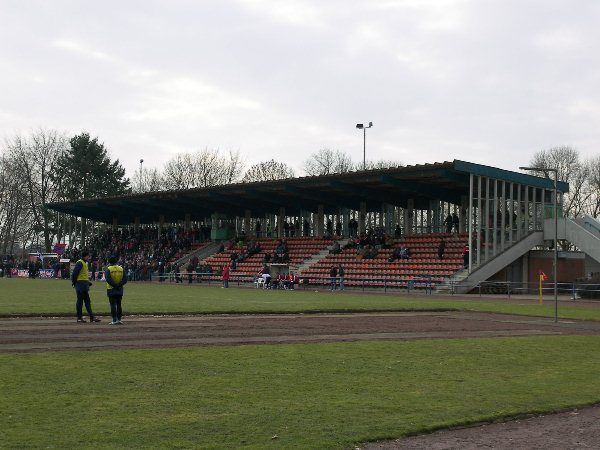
point(555, 208)
point(360, 126)
point(141, 177)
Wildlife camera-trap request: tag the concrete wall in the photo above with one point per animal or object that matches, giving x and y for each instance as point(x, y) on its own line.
point(571, 265)
point(591, 265)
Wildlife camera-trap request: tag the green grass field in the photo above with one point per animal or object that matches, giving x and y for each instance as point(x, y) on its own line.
point(57, 298)
point(308, 396)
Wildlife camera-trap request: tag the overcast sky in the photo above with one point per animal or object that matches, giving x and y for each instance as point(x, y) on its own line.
point(489, 82)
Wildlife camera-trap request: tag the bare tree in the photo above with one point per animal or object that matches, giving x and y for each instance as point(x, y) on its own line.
point(234, 167)
point(563, 158)
point(268, 170)
point(382, 164)
point(328, 161)
point(148, 180)
point(566, 161)
point(15, 217)
point(179, 172)
point(593, 200)
point(204, 168)
point(36, 158)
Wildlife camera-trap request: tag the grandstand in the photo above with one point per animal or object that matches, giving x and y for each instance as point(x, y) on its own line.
point(502, 215)
point(300, 249)
point(423, 264)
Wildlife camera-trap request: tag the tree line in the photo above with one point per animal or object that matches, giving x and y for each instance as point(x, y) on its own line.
point(46, 166)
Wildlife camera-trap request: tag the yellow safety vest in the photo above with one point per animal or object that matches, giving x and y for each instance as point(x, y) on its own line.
point(83, 273)
point(116, 274)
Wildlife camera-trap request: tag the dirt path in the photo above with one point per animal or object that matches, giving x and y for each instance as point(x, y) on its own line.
point(576, 429)
point(60, 334)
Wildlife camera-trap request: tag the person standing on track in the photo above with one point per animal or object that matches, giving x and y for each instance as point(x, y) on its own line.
point(115, 280)
point(80, 279)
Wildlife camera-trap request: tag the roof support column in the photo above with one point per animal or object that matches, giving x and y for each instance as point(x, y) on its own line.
point(470, 214)
point(361, 217)
point(318, 227)
point(495, 215)
point(504, 215)
point(464, 209)
point(480, 224)
point(115, 223)
point(527, 217)
point(188, 222)
point(305, 223)
point(542, 208)
point(408, 216)
point(520, 218)
point(136, 223)
point(345, 222)
point(511, 214)
point(161, 224)
point(487, 217)
point(247, 218)
point(389, 218)
point(429, 214)
point(280, 220)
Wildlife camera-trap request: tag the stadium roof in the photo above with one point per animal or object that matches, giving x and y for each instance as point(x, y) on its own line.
point(447, 181)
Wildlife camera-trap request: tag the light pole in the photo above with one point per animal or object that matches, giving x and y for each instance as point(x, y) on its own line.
point(141, 175)
point(360, 126)
point(555, 262)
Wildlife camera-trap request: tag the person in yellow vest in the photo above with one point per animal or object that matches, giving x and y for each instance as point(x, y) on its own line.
point(115, 280)
point(80, 278)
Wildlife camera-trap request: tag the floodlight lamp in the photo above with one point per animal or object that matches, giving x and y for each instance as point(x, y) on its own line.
point(360, 126)
point(370, 124)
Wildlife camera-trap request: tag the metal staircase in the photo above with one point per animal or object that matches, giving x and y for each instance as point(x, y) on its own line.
point(319, 256)
point(583, 232)
point(202, 253)
point(463, 282)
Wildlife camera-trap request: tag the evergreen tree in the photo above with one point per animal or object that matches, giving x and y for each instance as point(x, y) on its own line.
point(87, 171)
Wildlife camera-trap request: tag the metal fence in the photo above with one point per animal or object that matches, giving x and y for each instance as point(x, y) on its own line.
point(576, 290)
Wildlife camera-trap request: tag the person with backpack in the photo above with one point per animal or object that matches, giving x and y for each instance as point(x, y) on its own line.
point(115, 280)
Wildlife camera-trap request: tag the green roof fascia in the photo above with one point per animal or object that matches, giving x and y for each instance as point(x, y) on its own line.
point(507, 175)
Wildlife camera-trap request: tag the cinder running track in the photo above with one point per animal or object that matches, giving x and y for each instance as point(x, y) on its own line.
point(62, 334)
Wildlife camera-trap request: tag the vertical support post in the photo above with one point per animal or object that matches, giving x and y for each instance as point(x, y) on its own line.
point(361, 217)
point(247, 217)
point(555, 268)
point(161, 224)
point(470, 222)
point(280, 220)
point(320, 225)
point(480, 223)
